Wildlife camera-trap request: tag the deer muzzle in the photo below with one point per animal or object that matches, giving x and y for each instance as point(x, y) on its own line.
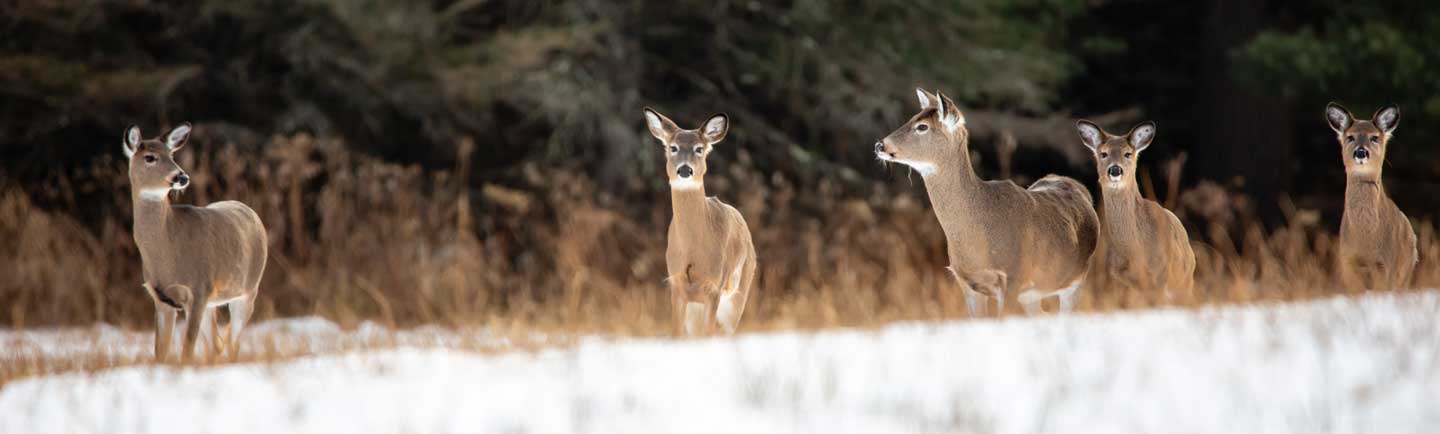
point(1361, 155)
point(180, 181)
point(881, 153)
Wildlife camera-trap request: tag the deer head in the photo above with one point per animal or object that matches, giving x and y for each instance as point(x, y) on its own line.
point(1115, 156)
point(153, 171)
point(1363, 143)
point(930, 138)
point(685, 150)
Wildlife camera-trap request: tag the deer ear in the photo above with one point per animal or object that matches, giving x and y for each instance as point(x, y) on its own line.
point(926, 99)
point(1142, 135)
point(178, 137)
point(1090, 134)
point(949, 114)
point(1339, 117)
point(715, 128)
point(660, 126)
point(132, 141)
point(1387, 118)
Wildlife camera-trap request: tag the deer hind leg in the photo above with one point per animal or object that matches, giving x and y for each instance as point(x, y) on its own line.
point(1069, 294)
point(732, 301)
point(240, 311)
point(210, 337)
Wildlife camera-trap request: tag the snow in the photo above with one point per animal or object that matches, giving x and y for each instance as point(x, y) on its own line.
point(1360, 364)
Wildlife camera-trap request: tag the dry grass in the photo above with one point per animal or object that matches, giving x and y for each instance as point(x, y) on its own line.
point(354, 238)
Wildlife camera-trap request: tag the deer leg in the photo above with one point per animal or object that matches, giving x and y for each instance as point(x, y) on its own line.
point(1030, 302)
point(975, 302)
point(209, 334)
point(1069, 295)
point(240, 311)
point(698, 313)
point(194, 315)
point(677, 307)
point(164, 329)
point(732, 301)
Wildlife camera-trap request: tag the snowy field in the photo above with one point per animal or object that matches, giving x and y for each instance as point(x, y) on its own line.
point(1367, 364)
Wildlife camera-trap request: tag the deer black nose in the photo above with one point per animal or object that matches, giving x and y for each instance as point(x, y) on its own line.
point(1115, 171)
point(1361, 154)
point(685, 171)
point(182, 180)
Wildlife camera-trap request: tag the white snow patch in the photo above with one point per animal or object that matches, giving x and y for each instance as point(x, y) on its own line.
point(1365, 364)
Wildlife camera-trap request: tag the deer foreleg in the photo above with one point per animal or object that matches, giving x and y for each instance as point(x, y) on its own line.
point(195, 315)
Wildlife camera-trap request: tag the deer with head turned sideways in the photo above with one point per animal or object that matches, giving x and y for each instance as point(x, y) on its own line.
point(1034, 242)
point(1377, 244)
point(1143, 247)
point(709, 255)
point(194, 258)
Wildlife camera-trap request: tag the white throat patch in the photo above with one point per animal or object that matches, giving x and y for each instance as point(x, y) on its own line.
point(684, 184)
point(925, 169)
point(154, 193)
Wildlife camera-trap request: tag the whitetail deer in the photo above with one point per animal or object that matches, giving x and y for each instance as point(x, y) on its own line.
point(194, 259)
point(710, 257)
point(1143, 247)
point(1377, 244)
point(1001, 238)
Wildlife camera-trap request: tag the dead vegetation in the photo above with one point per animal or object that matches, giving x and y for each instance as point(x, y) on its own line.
point(354, 238)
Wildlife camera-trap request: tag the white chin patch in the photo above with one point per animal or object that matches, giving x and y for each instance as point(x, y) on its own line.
point(684, 183)
point(925, 169)
point(154, 193)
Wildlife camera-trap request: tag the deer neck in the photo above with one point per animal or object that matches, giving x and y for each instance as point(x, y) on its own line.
point(688, 205)
point(1363, 194)
point(152, 216)
point(1121, 212)
point(953, 187)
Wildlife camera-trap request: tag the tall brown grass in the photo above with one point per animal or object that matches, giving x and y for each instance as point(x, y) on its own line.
point(353, 238)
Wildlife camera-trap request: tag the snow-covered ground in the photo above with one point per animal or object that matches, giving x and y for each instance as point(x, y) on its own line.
point(1367, 364)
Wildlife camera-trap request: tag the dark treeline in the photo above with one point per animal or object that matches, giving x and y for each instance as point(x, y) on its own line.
point(1237, 85)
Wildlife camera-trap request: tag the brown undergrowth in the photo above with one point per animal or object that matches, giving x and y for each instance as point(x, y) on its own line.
point(354, 238)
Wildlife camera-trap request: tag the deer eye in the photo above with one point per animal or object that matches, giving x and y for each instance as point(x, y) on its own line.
point(922, 128)
point(1349, 139)
point(1104, 154)
point(699, 150)
point(1374, 139)
point(1128, 154)
point(150, 159)
point(674, 149)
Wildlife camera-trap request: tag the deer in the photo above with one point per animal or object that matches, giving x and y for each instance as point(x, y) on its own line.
point(1143, 247)
point(709, 256)
point(194, 259)
point(1034, 243)
point(1377, 243)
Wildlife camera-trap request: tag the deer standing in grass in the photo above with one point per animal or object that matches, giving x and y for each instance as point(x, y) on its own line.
point(1143, 246)
point(1001, 238)
point(194, 258)
point(710, 257)
point(1377, 244)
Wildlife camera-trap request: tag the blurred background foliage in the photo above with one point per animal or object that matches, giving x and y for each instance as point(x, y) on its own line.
point(522, 90)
